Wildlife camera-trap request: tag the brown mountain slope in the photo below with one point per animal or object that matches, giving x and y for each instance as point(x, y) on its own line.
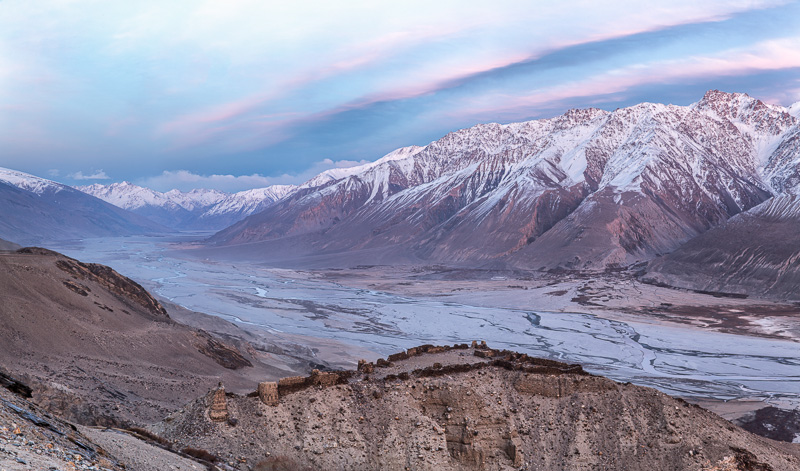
point(97, 348)
point(756, 252)
point(466, 409)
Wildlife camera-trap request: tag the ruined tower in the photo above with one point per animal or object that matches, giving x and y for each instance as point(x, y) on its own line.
point(218, 408)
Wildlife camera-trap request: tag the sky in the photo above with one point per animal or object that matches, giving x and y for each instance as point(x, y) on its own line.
point(239, 94)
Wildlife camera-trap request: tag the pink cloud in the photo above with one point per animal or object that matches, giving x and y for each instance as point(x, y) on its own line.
point(768, 55)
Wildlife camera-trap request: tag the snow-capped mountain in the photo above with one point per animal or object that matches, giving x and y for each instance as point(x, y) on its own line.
point(34, 209)
point(587, 189)
point(195, 209)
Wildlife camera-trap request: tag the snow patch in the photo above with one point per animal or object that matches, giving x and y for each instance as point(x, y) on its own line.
point(794, 110)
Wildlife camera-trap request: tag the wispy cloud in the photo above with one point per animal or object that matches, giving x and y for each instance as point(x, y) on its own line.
point(97, 175)
point(492, 30)
point(768, 55)
point(275, 87)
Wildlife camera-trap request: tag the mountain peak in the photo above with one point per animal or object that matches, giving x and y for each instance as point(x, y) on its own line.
point(724, 104)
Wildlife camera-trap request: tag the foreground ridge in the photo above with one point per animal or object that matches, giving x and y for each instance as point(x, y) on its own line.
point(464, 407)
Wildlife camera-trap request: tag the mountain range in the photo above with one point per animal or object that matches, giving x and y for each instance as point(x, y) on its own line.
point(200, 209)
point(588, 190)
point(36, 209)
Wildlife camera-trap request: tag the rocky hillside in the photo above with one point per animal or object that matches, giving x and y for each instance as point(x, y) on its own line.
point(34, 209)
point(97, 348)
point(196, 209)
point(585, 190)
point(465, 408)
point(754, 252)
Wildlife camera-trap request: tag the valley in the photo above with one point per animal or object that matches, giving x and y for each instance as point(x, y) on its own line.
point(692, 345)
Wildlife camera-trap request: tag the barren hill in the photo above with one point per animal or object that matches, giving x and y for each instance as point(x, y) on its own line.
point(466, 408)
point(99, 349)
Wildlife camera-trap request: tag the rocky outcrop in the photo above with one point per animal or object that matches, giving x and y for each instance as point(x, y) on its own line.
point(125, 288)
point(473, 408)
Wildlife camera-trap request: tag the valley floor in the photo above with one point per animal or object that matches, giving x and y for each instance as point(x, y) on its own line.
point(694, 345)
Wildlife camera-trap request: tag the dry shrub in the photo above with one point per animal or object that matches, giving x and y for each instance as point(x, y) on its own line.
point(279, 463)
point(201, 455)
point(148, 435)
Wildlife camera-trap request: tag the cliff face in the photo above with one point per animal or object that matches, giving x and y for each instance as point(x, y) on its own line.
point(470, 408)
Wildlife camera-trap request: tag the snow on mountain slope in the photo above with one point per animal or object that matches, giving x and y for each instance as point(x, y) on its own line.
point(127, 195)
point(29, 182)
point(794, 110)
point(34, 210)
point(195, 209)
point(586, 189)
point(249, 201)
point(197, 199)
point(339, 173)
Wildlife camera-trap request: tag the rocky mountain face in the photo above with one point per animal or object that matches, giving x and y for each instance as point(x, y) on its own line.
point(97, 348)
point(465, 408)
point(586, 190)
point(34, 209)
point(201, 209)
point(756, 251)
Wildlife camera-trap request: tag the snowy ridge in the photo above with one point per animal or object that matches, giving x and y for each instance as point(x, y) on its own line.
point(340, 173)
point(783, 207)
point(29, 182)
point(126, 195)
point(195, 209)
point(34, 211)
point(199, 198)
point(249, 201)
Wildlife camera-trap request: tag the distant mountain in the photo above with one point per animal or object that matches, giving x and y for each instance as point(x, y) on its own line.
point(585, 190)
point(33, 210)
point(7, 245)
point(196, 209)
